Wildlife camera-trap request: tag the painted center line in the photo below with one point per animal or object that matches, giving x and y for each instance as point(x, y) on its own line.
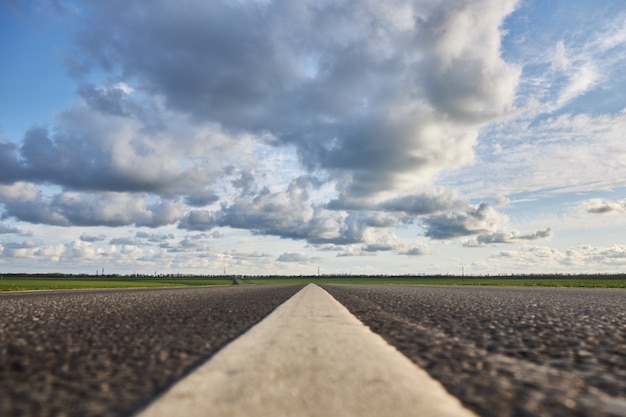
point(310, 357)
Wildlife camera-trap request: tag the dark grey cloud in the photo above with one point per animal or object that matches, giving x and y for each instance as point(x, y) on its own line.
point(11, 230)
point(602, 209)
point(10, 169)
point(103, 145)
point(493, 238)
point(379, 247)
point(198, 243)
point(358, 88)
point(25, 244)
point(289, 214)
point(421, 204)
point(416, 251)
point(111, 157)
point(92, 238)
point(268, 213)
point(94, 209)
point(246, 183)
point(123, 241)
point(23, 249)
point(374, 101)
point(294, 257)
point(470, 221)
point(154, 237)
point(76, 162)
point(39, 211)
point(201, 198)
point(508, 236)
point(603, 206)
point(540, 234)
point(109, 101)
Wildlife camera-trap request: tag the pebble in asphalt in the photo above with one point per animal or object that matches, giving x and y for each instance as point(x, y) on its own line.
point(507, 351)
point(105, 353)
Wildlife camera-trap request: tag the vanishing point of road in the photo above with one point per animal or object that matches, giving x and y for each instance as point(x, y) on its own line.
point(500, 351)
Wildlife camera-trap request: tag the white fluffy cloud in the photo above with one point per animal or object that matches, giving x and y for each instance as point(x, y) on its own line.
point(379, 94)
point(599, 206)
point(376, 98)
point(362, 128)
point(581, 258)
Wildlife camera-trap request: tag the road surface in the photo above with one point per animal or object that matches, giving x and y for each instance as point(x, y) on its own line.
point(507, 351)
point(107, 352)
point(501, 351)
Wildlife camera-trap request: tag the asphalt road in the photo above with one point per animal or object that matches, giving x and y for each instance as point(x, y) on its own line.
point(501, 351)
point(108, 352)
point(507, 351)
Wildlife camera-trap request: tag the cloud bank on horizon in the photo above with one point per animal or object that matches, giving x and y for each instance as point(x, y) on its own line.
point(326, 131)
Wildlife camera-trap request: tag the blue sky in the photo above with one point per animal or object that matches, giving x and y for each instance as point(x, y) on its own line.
point(281, 136)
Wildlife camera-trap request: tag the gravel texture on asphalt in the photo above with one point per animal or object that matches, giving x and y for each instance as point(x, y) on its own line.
point(507, 351)
point(106, 353)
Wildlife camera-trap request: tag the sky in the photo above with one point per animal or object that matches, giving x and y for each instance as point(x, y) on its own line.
point(265, 137)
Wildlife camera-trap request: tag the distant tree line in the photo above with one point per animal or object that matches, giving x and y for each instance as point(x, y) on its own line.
point(589, 276)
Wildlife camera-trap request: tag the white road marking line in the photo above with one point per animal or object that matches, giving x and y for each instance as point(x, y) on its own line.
point(310, 357)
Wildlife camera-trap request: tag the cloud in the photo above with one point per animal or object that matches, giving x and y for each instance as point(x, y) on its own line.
point(379, 247)
point(567, 131)
point(92, 238)
point(25, 249)
point(416, 251)
point(590, 255)
point(418, 205)
point(288, 213)
point(583, 79)
point(94, 209)
point(154, 237)
point(469, 220)
point(111, 153)
point(291, 214)
point(375, 99)
point(295, 257)
point(9, 165)
point(353, 250)
point(105, 100)
point(123, 241)
point(540, 234)
point(80, 251)
point(12, 230)
point(482, 220)
point(560, 61)
point(197, 243)
point(598, 206)
point(143, 149)
point(508, 236)
point(585, 258)
point(23, 191)
point(388, 96)
point(553, 155)
point(389, 242)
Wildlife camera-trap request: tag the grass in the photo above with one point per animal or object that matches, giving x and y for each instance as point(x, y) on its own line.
point(561, 282)
point(43, 282)
point(40, 283)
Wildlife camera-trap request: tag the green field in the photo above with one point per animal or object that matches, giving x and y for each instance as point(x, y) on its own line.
point(24, 283)
point(43, 282)
point(578, 282)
